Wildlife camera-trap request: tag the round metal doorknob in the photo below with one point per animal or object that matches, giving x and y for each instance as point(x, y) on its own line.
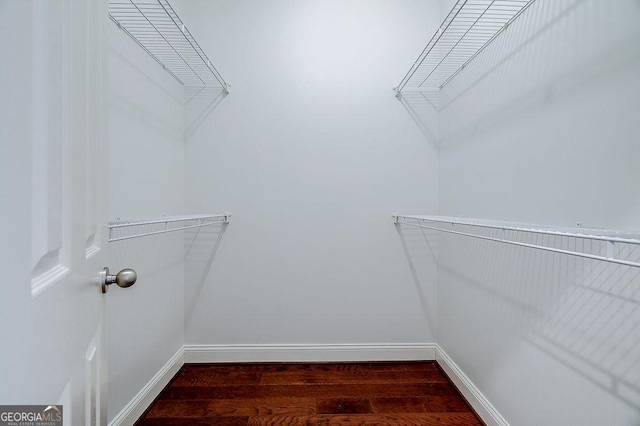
point(125, 278)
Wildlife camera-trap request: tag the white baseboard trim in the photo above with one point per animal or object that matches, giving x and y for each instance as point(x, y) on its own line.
point(310, 353)
point(134, 409)
point(474, 397)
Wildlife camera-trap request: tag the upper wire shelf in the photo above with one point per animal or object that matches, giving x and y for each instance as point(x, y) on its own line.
point(127, 229)
point(158, 29)
point(509, 233)
point(466, 31)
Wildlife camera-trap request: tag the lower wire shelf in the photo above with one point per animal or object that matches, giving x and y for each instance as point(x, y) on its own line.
point(607, 248)
point(127, 229)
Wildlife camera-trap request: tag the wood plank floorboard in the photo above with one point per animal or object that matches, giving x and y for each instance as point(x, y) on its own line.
point(314, 391)
point(381, 393)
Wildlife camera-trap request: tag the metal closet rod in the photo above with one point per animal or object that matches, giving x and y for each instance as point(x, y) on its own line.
point(535, 229)
point(202, 220)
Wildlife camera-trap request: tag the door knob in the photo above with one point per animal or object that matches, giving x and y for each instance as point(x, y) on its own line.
point(125, 278)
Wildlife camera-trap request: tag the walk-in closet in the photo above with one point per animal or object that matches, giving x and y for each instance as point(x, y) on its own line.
point(225, 185)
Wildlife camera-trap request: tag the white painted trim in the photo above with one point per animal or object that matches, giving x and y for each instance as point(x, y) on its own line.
point(47, 279)
point(475, 398)
point(310, 353)
point(143, 400)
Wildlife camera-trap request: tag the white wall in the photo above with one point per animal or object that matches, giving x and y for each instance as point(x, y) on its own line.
point(445, 8)
point(312, 154)
point(542, 128)
point(145, 323)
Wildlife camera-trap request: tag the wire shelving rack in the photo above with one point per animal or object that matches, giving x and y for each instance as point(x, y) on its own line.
point(466, 31)
point(127, 229)
point(511, 233)
point(156, 27)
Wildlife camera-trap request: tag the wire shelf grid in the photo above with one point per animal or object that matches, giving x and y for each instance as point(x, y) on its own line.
point(466, 31)
point(127, 229)
point(507, 232)
point(158, 29)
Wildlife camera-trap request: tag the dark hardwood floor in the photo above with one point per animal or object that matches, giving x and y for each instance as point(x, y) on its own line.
point(414, 393)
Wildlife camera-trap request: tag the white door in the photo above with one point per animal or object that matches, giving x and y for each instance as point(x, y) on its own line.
point(53, 178)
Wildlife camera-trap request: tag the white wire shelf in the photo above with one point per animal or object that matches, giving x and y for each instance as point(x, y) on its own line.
point(508, 232)
point(127, 229)
point(158, 29)
point(466, 31)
